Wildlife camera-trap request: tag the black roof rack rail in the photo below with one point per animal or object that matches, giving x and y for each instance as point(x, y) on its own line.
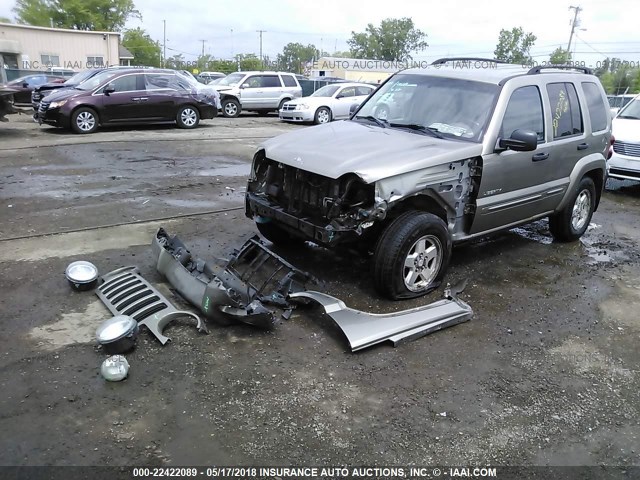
point(537, 69)
point(440, 61)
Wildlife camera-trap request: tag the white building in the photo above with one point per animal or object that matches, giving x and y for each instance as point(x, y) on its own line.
point(25, 47)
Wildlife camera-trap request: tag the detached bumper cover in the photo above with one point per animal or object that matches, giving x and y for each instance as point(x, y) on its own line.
point(252, 278)
point(366, 329)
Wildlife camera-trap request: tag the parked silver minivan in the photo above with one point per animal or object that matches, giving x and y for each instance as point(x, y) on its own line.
point(261, 92)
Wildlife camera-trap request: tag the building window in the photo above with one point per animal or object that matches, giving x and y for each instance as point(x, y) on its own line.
point(93, 62)
point(50, 60)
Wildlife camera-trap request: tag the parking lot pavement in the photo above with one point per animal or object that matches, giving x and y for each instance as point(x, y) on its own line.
point(545, 373)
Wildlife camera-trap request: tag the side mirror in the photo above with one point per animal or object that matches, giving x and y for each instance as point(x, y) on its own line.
point(25, 84)
point(520, 141)
point(109, 89)
point(353, 107)
point(244, 85)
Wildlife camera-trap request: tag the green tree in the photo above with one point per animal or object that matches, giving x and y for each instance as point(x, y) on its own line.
point(106, 15)
point(204, 62)
point(514, 46)
point(176, 62)
point(249, 62)
point(5, 20)
point(145, 51)
point(339, 54)
point(560, 56)
point(395, 39)
point(294, 56)
point(224, 66)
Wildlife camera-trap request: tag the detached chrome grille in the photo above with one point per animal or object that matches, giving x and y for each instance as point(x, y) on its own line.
point(626, 148)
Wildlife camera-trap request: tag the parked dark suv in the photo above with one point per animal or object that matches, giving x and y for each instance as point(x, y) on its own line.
point(127, 97)
point(435, 157)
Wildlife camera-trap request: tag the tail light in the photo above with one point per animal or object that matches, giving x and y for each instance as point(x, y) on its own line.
point(611, 142)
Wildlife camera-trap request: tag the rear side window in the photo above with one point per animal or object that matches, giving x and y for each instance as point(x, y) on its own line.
point(524, 112)
point(363, 90)
point(157, 81)
point(595, 105)
point(565, 110)
point(289, 81)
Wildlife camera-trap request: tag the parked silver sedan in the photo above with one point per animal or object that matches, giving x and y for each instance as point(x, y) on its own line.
point(331, 102)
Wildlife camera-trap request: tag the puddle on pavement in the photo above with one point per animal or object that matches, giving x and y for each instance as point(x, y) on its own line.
point(71, 328)
point(602, 252)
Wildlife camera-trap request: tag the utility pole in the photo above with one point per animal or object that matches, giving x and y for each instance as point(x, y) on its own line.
point(574, 23)
point(261, 32)
point(202, 46)
point(164, 44)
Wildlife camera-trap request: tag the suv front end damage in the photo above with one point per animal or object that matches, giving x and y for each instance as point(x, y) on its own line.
point(328, 211)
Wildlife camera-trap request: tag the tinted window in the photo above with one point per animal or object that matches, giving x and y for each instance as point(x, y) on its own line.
point(289, 81)
point(565, 110)
point(524, 112)
point(595, 105)
point(363, 90)
point(127, 83)
point(270, 81)
point(157, 82)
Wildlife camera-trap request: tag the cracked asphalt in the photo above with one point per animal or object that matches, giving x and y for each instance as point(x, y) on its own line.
point(546, 373)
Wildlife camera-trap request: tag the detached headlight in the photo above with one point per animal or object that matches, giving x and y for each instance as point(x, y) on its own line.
point(57, 104)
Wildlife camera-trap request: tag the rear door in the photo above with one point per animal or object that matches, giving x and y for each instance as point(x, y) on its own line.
point(343, 101)
point(513, 183)
point(160, 100)
point(123, 105)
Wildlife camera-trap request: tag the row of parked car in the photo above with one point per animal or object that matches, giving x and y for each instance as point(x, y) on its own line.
point(120, 95)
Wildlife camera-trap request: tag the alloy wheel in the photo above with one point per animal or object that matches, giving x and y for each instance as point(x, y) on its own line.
point(422, 263)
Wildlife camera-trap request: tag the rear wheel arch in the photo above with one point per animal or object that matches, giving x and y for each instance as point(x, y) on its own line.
point(598, 177)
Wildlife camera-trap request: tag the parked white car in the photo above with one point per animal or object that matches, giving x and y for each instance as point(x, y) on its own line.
point(616, 102)
point(331, 102)
point(625, 161)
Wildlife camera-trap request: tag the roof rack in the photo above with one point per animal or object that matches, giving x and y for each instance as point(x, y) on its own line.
point(537, 69)
point(440, 61)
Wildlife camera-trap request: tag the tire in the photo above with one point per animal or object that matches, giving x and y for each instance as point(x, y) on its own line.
point(231, 108)
point(84, 120)
point(276, 234)
point(411, 256)
point(188, 117)
point(573, 220)
point(282, 102)
point(323, 115)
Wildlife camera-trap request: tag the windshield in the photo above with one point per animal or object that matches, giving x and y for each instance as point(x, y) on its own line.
point(231, 79)
point(449, 107)
point(80, 77)
point(95, 81)
point(631, 110)
point(326, 91)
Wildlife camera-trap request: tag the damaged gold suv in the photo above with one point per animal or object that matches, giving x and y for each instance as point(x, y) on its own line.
point(437, 156)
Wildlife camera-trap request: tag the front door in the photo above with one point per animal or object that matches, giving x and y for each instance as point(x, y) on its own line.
point(124, 103)
point(261, 92)
point(513, 185)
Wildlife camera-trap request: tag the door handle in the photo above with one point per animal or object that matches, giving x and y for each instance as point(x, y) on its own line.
point(583, 146)
point(143, 99)
point(135, 99)
point(540, 156)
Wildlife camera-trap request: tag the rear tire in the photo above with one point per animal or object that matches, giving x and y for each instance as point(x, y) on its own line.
point(411, 256)
point(84, 120)
point(573, 220)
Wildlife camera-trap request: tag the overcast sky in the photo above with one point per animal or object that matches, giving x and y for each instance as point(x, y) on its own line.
point(463, 27)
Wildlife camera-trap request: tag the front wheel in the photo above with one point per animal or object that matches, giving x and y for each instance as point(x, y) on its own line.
point(323, 115)
point(84, 120)
point(573, 220)
point(231, 108)
point(411, 256)
point(188, 117)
